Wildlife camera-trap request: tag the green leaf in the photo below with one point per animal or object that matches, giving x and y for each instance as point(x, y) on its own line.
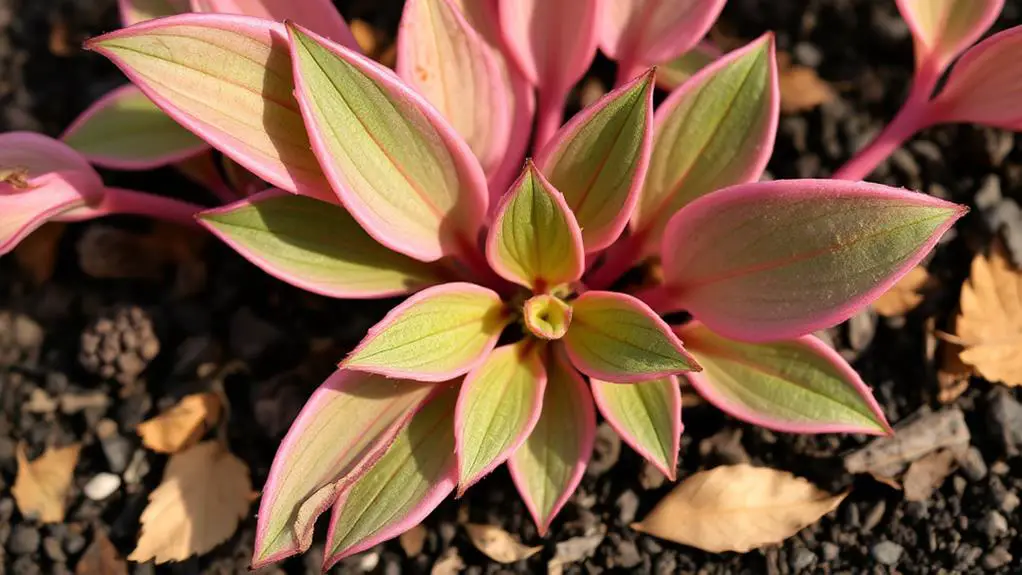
point(316, 246)
point(499, 405)
point(534, 240)
point(616, 337)
point(716, 130)
point(647, 415)
point(435, 335)
point(796, 386)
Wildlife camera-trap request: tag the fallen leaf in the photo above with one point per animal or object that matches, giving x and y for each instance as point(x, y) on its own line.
point(574, 550)
point(927, 474)
point(905, 295)
point(40, 402)
point(101, 558)
point(737, 508)
point(37, 254)
point(989, 324)
point(801, 89)
point(913, 438)
point(953, 374)
point(182, 425)
point(413, 540)
point(205, 492)
point(498, 544)
point(41, 486)
point(450, 563)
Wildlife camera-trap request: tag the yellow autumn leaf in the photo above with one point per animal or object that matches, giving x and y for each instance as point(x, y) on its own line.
point(801, 89)
point(498, 544)
point(905, 295)
point(41, 486)
point(182, 425)
point(205, 492)
point(989, 325)
point(737, 508)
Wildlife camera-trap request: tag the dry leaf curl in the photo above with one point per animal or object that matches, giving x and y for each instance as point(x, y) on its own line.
point(205, 492)
point(498, 544)
point(41, 486)
point(182, 425)
point(989, 324)
point(905, 295)
point(737, 508)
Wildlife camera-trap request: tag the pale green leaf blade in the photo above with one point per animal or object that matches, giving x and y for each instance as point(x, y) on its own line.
point(647, 415)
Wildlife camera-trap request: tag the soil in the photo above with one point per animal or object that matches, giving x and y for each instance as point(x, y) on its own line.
point(281, 342)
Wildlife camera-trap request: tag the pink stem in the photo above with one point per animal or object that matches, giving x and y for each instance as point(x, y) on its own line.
point(119, 201)
point(914, 115)
point(549, 116)
point(621, 257)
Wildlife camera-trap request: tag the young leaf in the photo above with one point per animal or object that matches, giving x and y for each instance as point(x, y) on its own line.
point(717, 129)
point(546, 316)
point(670, 75)
point(124, 130)
point(415, 474)
point(942, 29)
point(437, 334)
point(35, 155)
point(598, 160)
point(453, 67)
point(347, 424)
point(498, 407)
point(647, 415)
point(552, 41)
point(41, 486)
point(135, 11)
point(398, 167)
point(228, 80)
point(777, 260)
point(49, 196)
point(645, 32)
point(985, 86)
point(795, 386)
point(737, 508)
point(314, 245)
point(616, 337)
point(534, 240)
point(320, 16)
point(548, 467)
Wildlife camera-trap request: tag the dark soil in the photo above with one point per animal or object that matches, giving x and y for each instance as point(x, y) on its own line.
point(287, 342)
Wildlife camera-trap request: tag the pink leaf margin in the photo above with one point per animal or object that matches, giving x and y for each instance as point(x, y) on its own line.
point(957, 88)
point(41, 155)
point(604, 407)
point(51, 195)
point(706, 389)
point(397, 312)
point(689, 216)
point(938, 62)
point(318, 15)
point(114, 163)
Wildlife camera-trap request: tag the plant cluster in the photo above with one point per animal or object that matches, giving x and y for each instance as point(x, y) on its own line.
point(537, 288)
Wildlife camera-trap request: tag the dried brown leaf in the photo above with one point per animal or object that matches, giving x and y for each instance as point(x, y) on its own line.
point(450, 563)
point(41, 486)
point(801, 89)
point(101, 558)
point(37, 254)
point(927, 474)
point(905, 295)
point(737, 508)
point(182, 425)
point(989, 324)
point(413, 540)
point(953, 374)
point(498, 544)
point(205, 492)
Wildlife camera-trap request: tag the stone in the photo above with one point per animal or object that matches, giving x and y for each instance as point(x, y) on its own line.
point(993, 525)
point(24, 540)
point(802, 558)
point(887, 553)
point(101, 486)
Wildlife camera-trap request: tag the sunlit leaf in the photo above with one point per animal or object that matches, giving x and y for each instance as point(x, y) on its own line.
point(647, 415)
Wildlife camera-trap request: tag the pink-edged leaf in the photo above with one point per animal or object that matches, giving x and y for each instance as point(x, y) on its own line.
point(30, 155)
point(640, 33)
point(396, 164)
point(314, 245)
point(347, 424)
point(794, 386)
point(437, 334)
point(23, 210)
point(484, 17)
point(985, 85)
point(674, 73)
point(552, 41)
point(320, 16)
point(135, 11)
point(777, 260)
point(455, 69)
point(227, 79)
point(942, 29)
point(498, 407)
point(534, 240)
point(598, 160)
point(548, 467)
point(124, 130)
point(415, 474)
point(716, 130)
point(616, 337)
point(647, 415)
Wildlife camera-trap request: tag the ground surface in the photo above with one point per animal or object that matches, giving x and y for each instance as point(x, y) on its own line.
point(969, 524)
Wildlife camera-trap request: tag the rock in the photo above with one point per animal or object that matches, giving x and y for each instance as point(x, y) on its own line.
point(996, 558)
point(137, 469)
point(916, 436)
point(998, 144)
point(606, 450)
point(25, 566)
point(830, 551)
point(626, 555)
point(24, 540)
point(725, 447)
point(51, 547)
point(875, 515)
point(650, 477)
point(967, 555)
point(1006, 501)
point(972, 465)
point(74, 542)
point(989, 194)
point(887, 553)
point(807, 54)
point(20, 339)
point(627, 505)
point(993, 525)
point(116, 447)
point(101, 486)
point(1004, 416)
point(577, 548)
point(801, 559)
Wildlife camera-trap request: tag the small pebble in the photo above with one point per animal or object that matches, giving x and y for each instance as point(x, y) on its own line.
point(74, 542)
point(25, 566)
point(101, 486)
point(830, 551)
point(997, 558)
point(24, 540)
point(627, 505)
point(802, 558)
point(993, 525)
point(972, 464)
point(887, 552)
point(875, 515)
point(51, 547)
